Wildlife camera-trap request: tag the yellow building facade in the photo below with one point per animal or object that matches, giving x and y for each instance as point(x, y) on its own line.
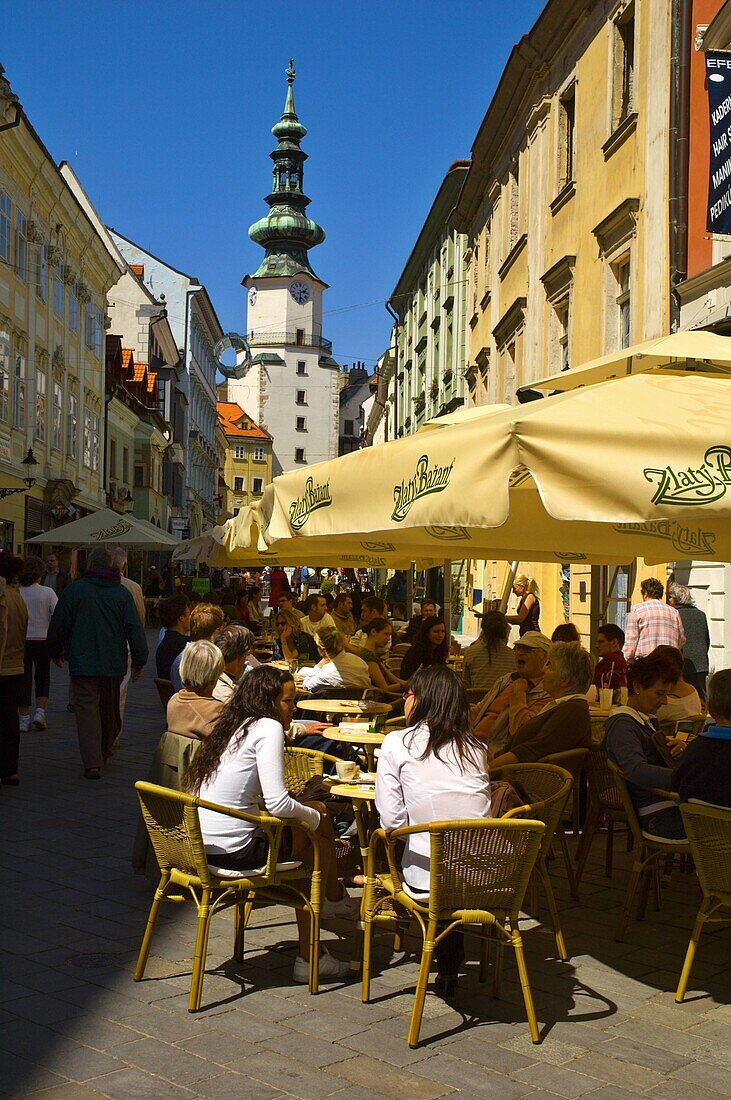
point(247, 466)
point(565, 211)
point(55, 272)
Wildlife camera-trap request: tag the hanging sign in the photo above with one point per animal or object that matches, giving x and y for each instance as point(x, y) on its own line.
point(718, 82)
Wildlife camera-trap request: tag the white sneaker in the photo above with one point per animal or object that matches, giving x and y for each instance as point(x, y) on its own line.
point(39, 719)
point(24, 723)
point(329, 968)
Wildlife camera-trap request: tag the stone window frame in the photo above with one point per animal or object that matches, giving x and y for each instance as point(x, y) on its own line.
point(616, 236)
point(622, 111)
point(558, 283)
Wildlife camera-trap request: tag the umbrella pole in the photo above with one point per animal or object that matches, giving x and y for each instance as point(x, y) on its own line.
point(508, 586)
point(410, 591)
point(447, 610)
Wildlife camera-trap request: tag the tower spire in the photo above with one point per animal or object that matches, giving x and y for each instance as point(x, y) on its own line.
point(286, 233)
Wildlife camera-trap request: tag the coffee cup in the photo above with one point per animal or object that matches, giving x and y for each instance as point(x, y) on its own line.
point(347, 770)
point(606, 698)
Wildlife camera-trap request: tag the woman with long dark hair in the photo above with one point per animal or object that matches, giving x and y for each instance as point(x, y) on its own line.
point(241, 764)
point(489, 658)
point(434, 770)
point(430, 648)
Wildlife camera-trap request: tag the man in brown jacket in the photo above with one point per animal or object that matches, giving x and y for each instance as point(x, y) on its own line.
point(11, 666)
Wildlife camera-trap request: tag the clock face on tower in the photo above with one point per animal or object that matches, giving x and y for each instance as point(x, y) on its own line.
point(252, 296)
point(300, 292)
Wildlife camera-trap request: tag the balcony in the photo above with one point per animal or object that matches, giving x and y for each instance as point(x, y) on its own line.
point(294, 337)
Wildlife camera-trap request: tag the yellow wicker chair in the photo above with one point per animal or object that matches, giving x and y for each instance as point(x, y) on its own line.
point(650, 852)
point(400, 648)
point(573, 761)
point(300, 765)
point(479, 874)
point(172, 822)
point(604, 805)
point(546, 789)
point(709, 839)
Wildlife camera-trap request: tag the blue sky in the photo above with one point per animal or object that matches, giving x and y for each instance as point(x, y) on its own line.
point(164, 110)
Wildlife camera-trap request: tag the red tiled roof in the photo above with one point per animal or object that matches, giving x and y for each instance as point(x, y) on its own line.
point(151, 381)
point(127, 355)
point(235, 422)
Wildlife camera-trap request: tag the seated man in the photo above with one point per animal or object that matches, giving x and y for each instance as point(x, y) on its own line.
point(342, 613)
point(611, 669)
point(704, 770)
point(316, 614)
point(235, 643)
point(205, 620)
point(372, 607)
point(516, 697)
point(286, 603)
point(413, 630)
point(175, 620)
point(565, 723)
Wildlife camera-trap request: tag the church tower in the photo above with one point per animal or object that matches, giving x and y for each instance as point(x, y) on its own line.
point(292, 390)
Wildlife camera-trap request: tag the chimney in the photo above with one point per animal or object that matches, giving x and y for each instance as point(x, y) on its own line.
point(139, 270)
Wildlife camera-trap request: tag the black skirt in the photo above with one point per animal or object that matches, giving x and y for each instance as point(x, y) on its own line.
point(254, 853)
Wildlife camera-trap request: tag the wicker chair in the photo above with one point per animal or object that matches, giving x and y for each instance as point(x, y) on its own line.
point(172, 822)
point(546, 789)
point(401, 648)
point(479, 874)
point(650, 852)
point(165, 690)
point(573, 761)
point(605, 806)
point(300, 765)
point(709, 837)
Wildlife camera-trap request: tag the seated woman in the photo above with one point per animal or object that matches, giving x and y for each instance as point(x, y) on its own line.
point(377, 643)
point(338, 668)
point(630, 743)
point(683, 700)
point(434, 770)
point(292, 642)
point(564, 723)
point(489, 658)
point(430, 648)
point(192, 711)
point(704, 770)
point(241, 765)
point(235, 643)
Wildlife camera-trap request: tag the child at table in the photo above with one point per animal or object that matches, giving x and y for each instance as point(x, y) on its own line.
point(611, 669)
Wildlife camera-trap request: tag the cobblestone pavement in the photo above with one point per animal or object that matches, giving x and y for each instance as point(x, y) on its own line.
point(74, 1024)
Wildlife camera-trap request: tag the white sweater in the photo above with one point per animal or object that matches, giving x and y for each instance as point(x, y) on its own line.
point(40, 602)
point(342, 670)
point(251, 772)
point(415, 791)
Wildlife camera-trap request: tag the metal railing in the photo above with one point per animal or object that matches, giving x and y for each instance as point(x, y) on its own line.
point(294, 337)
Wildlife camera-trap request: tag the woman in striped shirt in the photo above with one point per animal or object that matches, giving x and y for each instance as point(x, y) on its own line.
point(489, 658)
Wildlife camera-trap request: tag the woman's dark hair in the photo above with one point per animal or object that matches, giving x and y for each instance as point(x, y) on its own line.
point(495, 630)
point(672, 655)
point(442, 706)
point(10, 566)
point(566, 632)
point(32, 571)
point(431, 654)
point(255, 697)
point(375, 626)
point(172, 609)
point(653, 669)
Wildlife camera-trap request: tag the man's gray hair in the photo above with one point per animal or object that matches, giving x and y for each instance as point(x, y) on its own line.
point(573, 664)
point(99, 558)
point(200, 665)
point(234, 641)
point(682, 595)
point(119, 558)
point(719, 694)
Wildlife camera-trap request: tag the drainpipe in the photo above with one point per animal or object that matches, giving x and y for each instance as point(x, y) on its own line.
point(682, 18)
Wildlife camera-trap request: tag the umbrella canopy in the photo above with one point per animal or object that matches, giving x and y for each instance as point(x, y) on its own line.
point(637, 468)
point(681, 352)
point(108, 528)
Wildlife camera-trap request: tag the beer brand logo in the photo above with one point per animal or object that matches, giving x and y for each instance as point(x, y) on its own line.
point(692, 487)
point(570, 556)
point(120, 528)
point(426, 480)
point(314, 497)
point(449, 534)
point(378, 547)
point(687, 540)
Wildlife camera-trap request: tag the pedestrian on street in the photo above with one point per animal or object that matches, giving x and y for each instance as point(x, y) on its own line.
point(11, 668)
point(697, 636)
point(119, 561)
point(40, 602)
point(652, 623)
point(54, 576)
point(94, 622)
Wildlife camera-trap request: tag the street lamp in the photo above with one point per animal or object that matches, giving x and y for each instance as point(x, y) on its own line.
point(30, 461)
point(127, 503)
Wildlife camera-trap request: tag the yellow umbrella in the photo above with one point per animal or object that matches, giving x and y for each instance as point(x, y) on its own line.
point(637, 467)
point(680, 352)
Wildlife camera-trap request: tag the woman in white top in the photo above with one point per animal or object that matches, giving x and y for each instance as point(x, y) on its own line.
point(40, 602)
point(338, 668)
point(241, 765)
point(434, 770)
point(683, 701)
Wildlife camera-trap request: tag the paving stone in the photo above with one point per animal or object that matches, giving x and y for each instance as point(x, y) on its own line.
point(398, 1084)
point(380, 1044)
point(597, 1064)
point(21, 1077)
point(216, 1046)
point(477, 1080)
point(312, 1051)
point(71, 1091)
point(131, 1082)
point(232, 1086)
point(96, 1032)
point(287, 1074)
point(673, 1089)
point(643, 1054)
point(550, 1050)
point(711, 1077)
point(558, 1079)
point(165, 1060)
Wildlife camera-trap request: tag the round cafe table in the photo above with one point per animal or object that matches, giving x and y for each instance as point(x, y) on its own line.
point(362, 796)
point(369, 740)
point(367, 708)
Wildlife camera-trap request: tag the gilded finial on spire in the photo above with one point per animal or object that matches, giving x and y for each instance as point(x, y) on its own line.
point(291, 74)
